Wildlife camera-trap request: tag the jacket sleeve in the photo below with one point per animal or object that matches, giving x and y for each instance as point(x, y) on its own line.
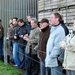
point(71, 44)
point(36, 47)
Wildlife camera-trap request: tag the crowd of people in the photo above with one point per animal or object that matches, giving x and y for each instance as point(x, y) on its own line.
point(47, 48)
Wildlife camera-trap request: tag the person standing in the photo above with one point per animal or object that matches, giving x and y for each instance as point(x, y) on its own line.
point(9, 40)
point(22, 31)
point(32, 65)
point(15, 43)
point(57, 33)
point(43, 37)
point(29, 18)
point(1, 39)
point(61, 57)
point(68, 44)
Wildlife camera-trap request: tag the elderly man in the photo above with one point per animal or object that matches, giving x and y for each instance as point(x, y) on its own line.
point(43, 37)
point(32, 65)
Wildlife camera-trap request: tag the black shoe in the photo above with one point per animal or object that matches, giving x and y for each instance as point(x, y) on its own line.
point(12, 61)
point(21, 66)
point(24, 68)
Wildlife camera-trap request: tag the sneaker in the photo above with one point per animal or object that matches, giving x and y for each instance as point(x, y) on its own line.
point(15, 65)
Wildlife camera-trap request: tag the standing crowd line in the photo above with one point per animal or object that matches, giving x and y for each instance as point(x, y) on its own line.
point(44, 49)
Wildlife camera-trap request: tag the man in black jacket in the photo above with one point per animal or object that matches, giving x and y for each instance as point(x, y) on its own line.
point(22, 31)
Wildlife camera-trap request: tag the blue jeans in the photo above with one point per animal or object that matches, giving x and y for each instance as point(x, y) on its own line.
point(16, 54)
point(56, 70)
point(23, 61)
point(70, 72)
point(42, 68)
point(48, 71)
point(1, 47)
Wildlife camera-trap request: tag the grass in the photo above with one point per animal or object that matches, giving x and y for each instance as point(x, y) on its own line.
point(8, 70)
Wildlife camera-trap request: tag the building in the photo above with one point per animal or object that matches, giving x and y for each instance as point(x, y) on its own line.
point(16, 8)
point(64, 7)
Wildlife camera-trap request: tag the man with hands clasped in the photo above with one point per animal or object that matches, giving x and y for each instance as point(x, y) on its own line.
point(32, 65)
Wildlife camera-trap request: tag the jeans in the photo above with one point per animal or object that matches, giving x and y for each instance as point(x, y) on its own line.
point(1, 47)
point(56, 70)
point(23, 61)
point(16, 54)
point(70, 72)
point(48, 71)
point(42, 68)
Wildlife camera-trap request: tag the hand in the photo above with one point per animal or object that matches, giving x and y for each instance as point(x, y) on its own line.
point(7, 38)
point(26, 35)
point(15, 37)
point(62, 44)
point(21, 36)
point(26, 38)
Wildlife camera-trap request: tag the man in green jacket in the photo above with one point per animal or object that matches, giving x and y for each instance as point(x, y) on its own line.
point(32, 65)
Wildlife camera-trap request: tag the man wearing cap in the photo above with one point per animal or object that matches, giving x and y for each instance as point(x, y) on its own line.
point(43, 37)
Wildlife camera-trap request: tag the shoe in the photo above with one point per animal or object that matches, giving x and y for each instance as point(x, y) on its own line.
point(12, 61)
point(21, 66)
point(15, 65)
point(24, 68)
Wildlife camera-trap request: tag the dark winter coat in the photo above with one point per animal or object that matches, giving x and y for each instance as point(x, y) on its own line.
point(22, 31)
point(44, 35)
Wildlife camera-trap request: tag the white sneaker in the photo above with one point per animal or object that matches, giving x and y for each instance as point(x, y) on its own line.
point(15, 65)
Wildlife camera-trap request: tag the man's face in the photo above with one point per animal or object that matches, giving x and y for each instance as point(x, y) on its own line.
point(14, 22)
point(19, 23)
point(43, 25)
point(29, 19)
point(11, 26)
point(33, 25)
point(53, 20)
point(10, 21)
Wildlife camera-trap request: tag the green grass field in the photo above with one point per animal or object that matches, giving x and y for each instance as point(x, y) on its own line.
point(8, 70)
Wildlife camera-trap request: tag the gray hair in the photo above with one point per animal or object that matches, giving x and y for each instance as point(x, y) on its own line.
point(35, 20)
point(31, 15)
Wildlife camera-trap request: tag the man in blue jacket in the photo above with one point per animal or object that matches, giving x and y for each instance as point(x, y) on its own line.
point(57, 33)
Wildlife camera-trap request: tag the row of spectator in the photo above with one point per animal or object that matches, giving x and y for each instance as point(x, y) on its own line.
point(50, 45)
